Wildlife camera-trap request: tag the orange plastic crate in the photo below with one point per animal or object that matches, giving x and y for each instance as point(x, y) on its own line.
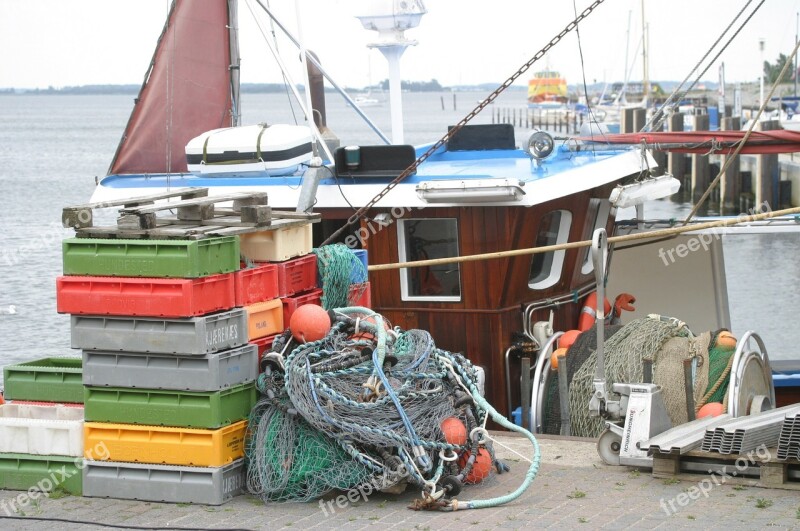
point(264, 319)
point(165, 445)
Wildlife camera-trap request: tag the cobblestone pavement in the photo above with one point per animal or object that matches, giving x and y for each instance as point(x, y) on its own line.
point(573, 490)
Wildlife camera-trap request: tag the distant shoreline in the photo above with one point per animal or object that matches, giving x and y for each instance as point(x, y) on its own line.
point(246, 88)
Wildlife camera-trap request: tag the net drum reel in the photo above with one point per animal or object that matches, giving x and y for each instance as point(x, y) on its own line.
point(751, 389)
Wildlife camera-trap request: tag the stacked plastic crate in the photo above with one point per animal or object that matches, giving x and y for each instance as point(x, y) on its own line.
point(41, 426)
point(286, 254)
point(167, 367)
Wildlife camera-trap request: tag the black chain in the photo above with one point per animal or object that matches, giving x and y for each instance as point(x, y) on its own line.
point(493, 96)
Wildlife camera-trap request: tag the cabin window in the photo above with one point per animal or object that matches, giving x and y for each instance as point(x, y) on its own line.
point(601, 208)
point(426, 239)
point(546, 267)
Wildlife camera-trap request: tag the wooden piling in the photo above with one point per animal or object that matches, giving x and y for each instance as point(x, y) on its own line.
point(701, 173)
point(767, 170)
point(676, 162)
point(626, 121)
point(730, 185)
point(639, 119)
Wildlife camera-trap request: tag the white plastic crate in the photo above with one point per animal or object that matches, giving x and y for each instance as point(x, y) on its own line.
point(41, 430)
point(277, 245)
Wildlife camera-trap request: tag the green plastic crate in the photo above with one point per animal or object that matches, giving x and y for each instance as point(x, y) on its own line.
point(45, 380)
point(151, 258)
point(169, 408)
point(47, 472)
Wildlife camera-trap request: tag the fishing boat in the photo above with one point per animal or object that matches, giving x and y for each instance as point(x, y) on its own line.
point(472, 192)
point(475, 192)
point(547, 89)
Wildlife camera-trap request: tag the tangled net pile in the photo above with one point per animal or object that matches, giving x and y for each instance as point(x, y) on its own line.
point(370, 405)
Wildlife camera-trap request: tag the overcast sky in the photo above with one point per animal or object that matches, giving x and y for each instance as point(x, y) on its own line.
point(77, 42)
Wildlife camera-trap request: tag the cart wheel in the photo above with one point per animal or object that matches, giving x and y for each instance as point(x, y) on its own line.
point(608, 446)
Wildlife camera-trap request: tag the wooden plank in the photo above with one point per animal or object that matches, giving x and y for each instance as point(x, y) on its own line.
point(138, 200)
point(183, 203)
point(665, 465)
point(772, 473)
point(227, 211)
point(188, 229)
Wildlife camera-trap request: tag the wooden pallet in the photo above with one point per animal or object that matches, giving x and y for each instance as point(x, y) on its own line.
point(196, 216)
point(749, 470)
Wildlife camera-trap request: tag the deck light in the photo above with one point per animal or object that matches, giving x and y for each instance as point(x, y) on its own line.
point(477, 191)
point(540, 145)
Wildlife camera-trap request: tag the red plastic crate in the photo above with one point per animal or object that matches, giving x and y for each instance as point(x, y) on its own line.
point(364, 300)
point(290, 304)
point(297, 275)
point(256, 284)
point(264, 344)
point(151, 297)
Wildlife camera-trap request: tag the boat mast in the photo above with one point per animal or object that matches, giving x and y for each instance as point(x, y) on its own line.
point(645, 74)
point(233, 35)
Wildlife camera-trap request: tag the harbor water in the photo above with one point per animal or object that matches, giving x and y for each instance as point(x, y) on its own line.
point(54, 147)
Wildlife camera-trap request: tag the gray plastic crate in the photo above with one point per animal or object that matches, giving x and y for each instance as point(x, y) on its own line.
point(164, 483)
point(196, 336)
point(211, 372)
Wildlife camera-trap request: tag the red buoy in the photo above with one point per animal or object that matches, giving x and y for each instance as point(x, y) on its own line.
point(309, 323)
point(454, 431)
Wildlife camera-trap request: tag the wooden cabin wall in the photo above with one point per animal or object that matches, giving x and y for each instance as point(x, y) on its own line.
point(494, 292)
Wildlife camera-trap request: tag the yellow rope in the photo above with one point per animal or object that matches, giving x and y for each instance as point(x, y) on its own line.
point(672, 231)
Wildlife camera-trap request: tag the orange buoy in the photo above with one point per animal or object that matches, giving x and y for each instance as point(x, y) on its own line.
point(726, 340)
point(367, 335)
point(481, 467)
point(2, 400)
point(568, 338)
point(589, 312)
point(454, 431)
point(712, 409)
point(309, 323)
point(554, 358)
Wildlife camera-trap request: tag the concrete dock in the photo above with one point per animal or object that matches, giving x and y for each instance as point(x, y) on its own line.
point(573, 489)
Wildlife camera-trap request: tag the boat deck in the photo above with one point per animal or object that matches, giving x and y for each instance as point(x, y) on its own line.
point(573, 487)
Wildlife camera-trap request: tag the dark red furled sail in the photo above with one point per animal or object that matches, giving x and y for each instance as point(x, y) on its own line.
point(191, 86)
point(708, 142)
